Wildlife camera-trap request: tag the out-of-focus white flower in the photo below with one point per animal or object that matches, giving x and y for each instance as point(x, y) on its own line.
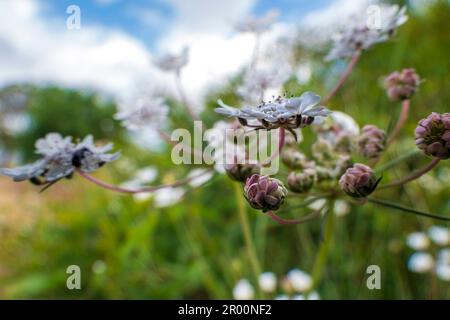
point(199, 177)
point(444, 256)
point(173, 62)
point(99, 267)
point(267, 282)
point(358, 35)
point(167, 196)
point(316, 205)
point(299, 280)
point(141, 178)
point(243, 290)
point(145, 112)
point(258, 25)
point(341, 208)
point(440, 235)
point(298, 297)
point(282, 297)
point(418, 241)
point(337, 125)
point(443, 272)
point(421, 262)
point(314, 296)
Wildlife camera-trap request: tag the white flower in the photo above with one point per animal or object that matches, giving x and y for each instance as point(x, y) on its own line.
point(167, 196)
point(267, 282)
point(60, 159)
point(243, 290)
point(173, 62)
point(357, 35)
point(337, 125)
point(199, 177)
point(443, 272)
point(341, 208)
point(259, 25)
point(144, 112)
point(444, 256)
point(314, 296)
point(282, 297)
point(440, 235)
point(289, 113)
point(421, 262)
point(418, 241)
point(298, 297)
point(299, 280)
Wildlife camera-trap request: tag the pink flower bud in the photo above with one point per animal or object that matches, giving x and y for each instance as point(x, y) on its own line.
point(402, 85)
point(359, 181)
point(433, 135)
point(264, 193)
point(371, 142)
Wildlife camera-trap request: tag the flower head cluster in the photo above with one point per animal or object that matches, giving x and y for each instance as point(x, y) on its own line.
point(371, 142)
point(433, 135)
point(288, 113)
point(60, 158)
point(359, 181)
point(173, 62)
point(144, 112)
point(258, 25)
point(402, 85)
point(264, 193)
point(362, 36)
point(301, 181)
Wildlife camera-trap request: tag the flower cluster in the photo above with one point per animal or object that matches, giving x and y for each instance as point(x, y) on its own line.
point(264, 193)
point(359, 181)
point(424, 244)
point(361, 36)
point(60, 158)
point(371, 142)
point(258, 25)
point(289, 113)
point(173, 62)
point(402, 85)
point(433, 135)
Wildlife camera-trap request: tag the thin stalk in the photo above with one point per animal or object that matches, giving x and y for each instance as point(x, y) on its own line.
point(400, 123)
point(165, 136)
point(322, 254)
point(111, 187)
point(281, 143)
point(396, 161)
point(415, 175)
point(343, 77)
point(301, 220)
point(245, 226)
point(406, 209)
point(183, 98)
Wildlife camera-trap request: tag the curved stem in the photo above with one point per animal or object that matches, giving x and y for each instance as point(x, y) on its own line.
point(394, 162)
point(416, 174)
point(343, 77)
point(111, 187)
point(245, 226)
point(183, 96)
point(406, 209)
point(281, 143)
point(322, 254)
point(301, 220)
point(400, 123)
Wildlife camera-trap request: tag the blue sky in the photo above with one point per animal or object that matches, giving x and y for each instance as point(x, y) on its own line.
point(121, 14)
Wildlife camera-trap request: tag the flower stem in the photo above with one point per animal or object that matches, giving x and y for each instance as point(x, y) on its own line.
point(322, 254)
point(281, 143)
point(245, 226)
point(111, 187)
point(400, 123)
point(415, 175)
point(183, 96)
point(396, 161)
point(406, 209)
point(301, 220)
point(343, 77)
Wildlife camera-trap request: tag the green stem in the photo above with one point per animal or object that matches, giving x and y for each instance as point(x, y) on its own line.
point(245, 226)
point(406, 209)
point(322, 254)
point(396, 161)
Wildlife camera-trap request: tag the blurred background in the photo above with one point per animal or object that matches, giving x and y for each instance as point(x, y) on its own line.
point(190, 245)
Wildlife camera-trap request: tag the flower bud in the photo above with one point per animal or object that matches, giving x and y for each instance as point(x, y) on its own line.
point(371, 142)
point(402, 85)
point(264, 193)
point(433, 135)
point(301, 182)
point(358, 181)
point(240, 171)
point(295, 159)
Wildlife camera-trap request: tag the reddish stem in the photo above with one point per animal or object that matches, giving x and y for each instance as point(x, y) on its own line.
point(304, 219)
point(343, 77)
point(401, 121)
point(416, 174)
point(281, 143)
point(111, 187)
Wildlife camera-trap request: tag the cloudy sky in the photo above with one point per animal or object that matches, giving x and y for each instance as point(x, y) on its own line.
point(113, 50)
